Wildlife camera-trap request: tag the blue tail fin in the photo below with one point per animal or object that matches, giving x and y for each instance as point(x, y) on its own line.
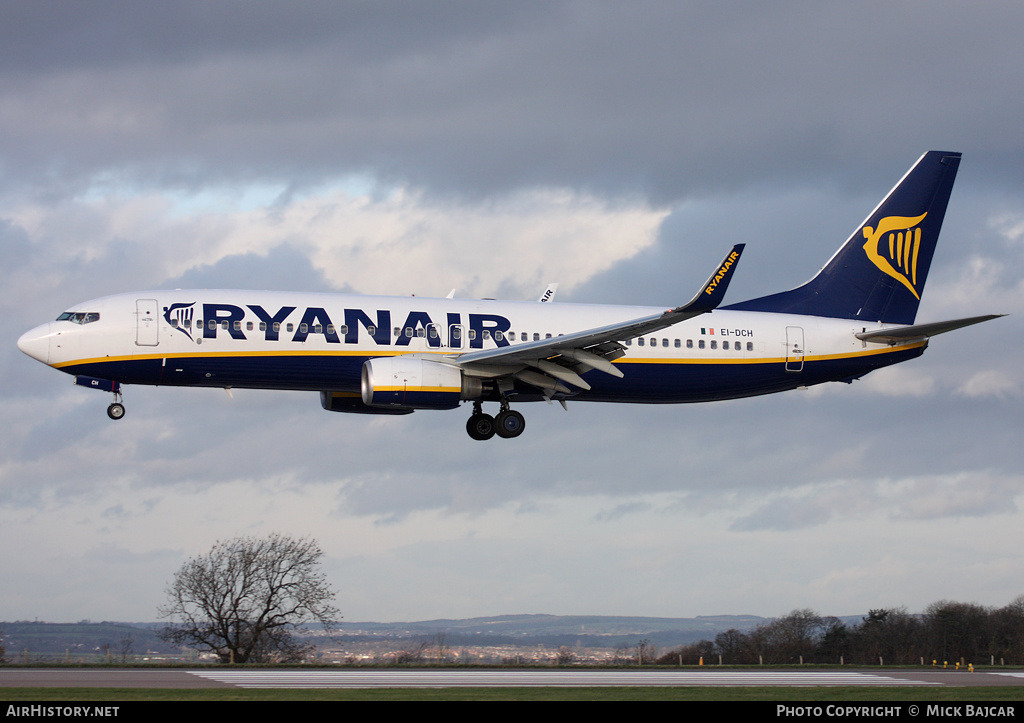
point(879, 273)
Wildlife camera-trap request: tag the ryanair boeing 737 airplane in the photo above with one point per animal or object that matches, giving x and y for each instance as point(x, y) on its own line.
point(394, 355)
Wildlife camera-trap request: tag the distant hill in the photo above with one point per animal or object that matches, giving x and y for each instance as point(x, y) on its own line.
point(605, 631)
point(83, 638)
point(88, 638)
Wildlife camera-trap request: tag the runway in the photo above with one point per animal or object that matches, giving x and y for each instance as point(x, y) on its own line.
point(485, 678)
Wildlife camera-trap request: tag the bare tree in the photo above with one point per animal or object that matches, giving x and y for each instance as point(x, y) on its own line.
point(443, 650)
point(125, 645)
point(645, 652)
point(245, 598)
point(565, 656)
point(413, 653)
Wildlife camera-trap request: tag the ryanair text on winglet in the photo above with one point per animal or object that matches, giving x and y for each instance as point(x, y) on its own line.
point(722, 272)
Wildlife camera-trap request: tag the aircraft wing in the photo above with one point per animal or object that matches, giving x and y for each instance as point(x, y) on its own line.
point(547, 362)
point(902, 334)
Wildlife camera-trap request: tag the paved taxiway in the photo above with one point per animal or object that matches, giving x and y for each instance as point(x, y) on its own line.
point(448, 678)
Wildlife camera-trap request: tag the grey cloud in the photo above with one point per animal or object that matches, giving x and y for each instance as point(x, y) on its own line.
point(283, 268)
point(668, 100)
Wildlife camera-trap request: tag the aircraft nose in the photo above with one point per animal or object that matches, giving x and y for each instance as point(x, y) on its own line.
point(36, 343)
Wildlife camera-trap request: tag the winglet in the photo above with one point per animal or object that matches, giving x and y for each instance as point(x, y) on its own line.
point(713, 291)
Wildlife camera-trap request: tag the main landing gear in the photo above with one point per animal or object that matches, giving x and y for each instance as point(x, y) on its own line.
point(509, 423)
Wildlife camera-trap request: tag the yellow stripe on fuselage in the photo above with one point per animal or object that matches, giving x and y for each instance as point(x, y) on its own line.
point(404, 388)
point(771, 360)
point(234, 354)
point(375, 353)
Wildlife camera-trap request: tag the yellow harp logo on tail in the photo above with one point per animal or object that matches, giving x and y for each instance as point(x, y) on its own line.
point(893, 248)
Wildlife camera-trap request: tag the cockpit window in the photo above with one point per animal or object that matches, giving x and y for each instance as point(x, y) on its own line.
point(79, 317)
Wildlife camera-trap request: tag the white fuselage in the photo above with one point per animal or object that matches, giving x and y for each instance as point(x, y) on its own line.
point(315, 341)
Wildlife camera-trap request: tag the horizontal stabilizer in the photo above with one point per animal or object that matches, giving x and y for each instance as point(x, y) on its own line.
point(902, 334)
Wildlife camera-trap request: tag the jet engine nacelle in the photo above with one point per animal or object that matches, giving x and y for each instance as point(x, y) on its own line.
point(407, 382)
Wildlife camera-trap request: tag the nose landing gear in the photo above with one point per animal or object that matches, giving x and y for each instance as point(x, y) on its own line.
point(116, 409)
point(509, 423)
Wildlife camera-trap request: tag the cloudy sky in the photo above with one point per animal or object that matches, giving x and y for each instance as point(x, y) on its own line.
point(408, 148)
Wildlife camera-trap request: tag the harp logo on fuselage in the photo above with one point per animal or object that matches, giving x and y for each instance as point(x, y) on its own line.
point(894, 246)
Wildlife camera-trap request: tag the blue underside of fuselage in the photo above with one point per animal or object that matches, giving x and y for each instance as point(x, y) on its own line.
point(643, 382)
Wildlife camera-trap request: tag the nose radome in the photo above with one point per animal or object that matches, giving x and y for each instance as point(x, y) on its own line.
point(36, 343)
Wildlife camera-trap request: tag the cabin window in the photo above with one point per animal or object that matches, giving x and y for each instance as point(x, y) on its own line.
point(536, 336)
point(725, 345)
point(750, 346)
point(303, 328)
point(547, 336)
point(318, 328)
point(408, 331)
point(174, 323)
point(487, 333)
point(472, 334)
point(678, 344)
point(629, 342)
point(664, 342)
point(433, 332)
point(456, 332)
point(654, 342)
point(420, 332)
point(238, 325)
point(289, 327)
point(714, 344)
point(700, 344)
point(640, 341)
point(398, 331)
point(498, 336)
point(330, 329)
point(248, 326)
point(689, 343)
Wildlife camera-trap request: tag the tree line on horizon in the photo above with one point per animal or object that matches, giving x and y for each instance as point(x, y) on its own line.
point(946, 632)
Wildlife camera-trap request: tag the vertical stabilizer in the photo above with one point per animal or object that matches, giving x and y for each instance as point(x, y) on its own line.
point(879, 273)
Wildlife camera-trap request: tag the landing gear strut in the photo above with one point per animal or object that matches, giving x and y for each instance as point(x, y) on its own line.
point(509, 423)
point(480, 426)
point(116, 409)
